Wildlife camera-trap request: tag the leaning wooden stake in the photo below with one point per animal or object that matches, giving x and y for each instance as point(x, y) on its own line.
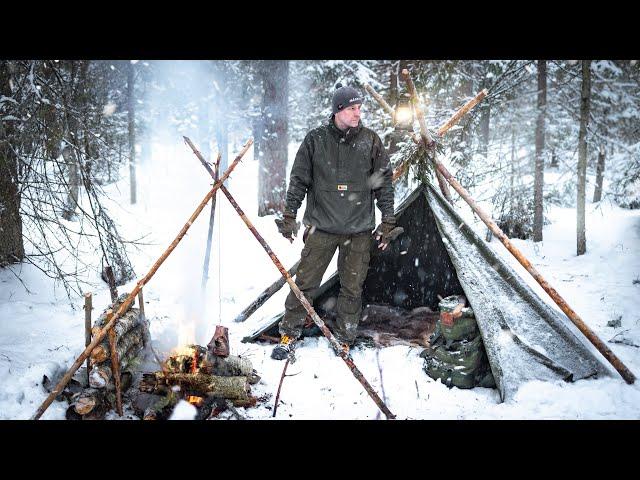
point(265, 295)
point(115, 364)
point(207, 253)
point(305, 303)
point(284, 371)
point(462, 112)
point(125, 305)
point(87, 327)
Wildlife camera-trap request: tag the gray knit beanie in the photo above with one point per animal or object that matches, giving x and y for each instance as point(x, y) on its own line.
point(344, 97)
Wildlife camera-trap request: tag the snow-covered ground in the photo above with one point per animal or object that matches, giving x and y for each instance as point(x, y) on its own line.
point(40, 333)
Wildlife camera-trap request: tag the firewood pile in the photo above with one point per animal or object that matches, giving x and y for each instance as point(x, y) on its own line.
point(93, 400)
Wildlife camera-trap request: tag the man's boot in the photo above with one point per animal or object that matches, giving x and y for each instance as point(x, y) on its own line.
point(283, 349)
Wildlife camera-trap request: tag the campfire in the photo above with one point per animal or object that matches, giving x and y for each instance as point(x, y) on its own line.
point(207, 381)
point(208, 378)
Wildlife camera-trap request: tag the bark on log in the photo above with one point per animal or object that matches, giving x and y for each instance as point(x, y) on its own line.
point(126, 323)
point(100, 398)
point(162, 408)
point(231, 366)
point(101, 374)
point(102, 352)
point(201, 384)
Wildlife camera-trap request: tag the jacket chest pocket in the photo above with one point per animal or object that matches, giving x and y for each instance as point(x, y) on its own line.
point(361, 165)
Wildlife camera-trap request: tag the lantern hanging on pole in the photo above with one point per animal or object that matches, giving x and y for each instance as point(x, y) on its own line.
point(403, 114)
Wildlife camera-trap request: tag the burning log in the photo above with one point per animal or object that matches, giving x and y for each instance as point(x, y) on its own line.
point(197, 359)
point(102, 352)
point(232, 388)
point(231, 366)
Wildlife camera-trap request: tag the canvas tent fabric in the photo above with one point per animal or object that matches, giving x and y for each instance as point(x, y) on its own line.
point(440, 255)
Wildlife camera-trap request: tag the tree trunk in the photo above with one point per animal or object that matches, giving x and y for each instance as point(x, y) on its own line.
point(512, 175)
point(73, 183)
point(273, 162)
point(11, 244)
point(76, 135)
point(485, 117)
point(554, 159)
point(597, 193)
point(538, 215)
point(131, 115)
point(582, 155)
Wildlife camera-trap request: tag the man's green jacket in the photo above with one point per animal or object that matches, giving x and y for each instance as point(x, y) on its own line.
point(341, 172)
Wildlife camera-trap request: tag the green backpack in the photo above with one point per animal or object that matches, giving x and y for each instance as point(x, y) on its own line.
point(463, 327)
point(456, 354)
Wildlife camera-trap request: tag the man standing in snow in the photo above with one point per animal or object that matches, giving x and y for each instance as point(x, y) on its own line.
point(341, 167)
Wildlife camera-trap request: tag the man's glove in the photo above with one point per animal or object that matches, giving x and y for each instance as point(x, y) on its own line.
point(387, 231)
point(288, 226)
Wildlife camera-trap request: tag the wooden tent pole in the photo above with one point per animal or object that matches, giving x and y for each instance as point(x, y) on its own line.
point(305, 303)
point(125, 305)
point(207, 253)
point(461, 112)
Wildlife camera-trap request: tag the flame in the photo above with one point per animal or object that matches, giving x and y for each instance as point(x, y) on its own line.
point(182, 350)
point(194, 363)
point(195, 400)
